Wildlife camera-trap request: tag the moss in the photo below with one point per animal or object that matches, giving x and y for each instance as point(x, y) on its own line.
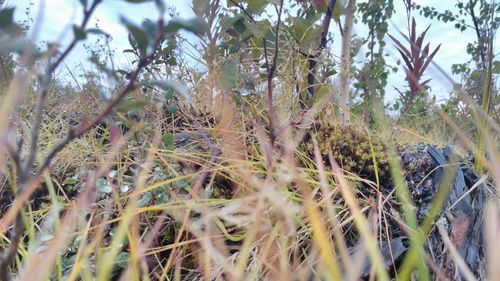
point(351, 147)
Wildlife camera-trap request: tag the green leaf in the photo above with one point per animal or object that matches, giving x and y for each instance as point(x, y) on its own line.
point(103, 186)
point(249, 82)
point(138, 36)
point(229, 22)
point(239, 26)
point(79, 33)
point(122, 259)
point(172, 61)
point(496, 67)
point(131, 41)
point(306, 35)
point(97, 31)
point(169, 94)
point(68, 262)
point(167, 51)
point(170, 85)
point(183, 183)
point(168, 141)
point(256, 29)
point(337, 11)
point(331, 72)
point(195, 25)
point(144, 200)
point(70, 181)
point(161, 198)
point(6, 17)
point(257, 6)
point(171, 108)
point(230, 74)
point(150, 28)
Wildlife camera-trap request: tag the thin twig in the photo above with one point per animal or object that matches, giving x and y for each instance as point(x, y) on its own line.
point(24, 171)
point(244, 10)
point(480, 40)
point(271, 68)
point(25, 174)
point(85, 127)
point(270, 74)
point(311, 76)
point(35, 131)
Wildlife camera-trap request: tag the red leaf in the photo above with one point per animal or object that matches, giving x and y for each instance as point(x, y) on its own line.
point(412, 37)
point(407, 62)
point(425, 52)
point(405, 54)
point(420, 39)
point(429, 59)
point(400, 46)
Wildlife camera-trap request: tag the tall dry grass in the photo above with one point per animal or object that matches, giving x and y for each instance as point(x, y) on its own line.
point(238, 206)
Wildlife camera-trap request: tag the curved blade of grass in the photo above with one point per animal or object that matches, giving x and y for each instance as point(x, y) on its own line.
point(362, 225)
point(322, 241)
point(413, 257)
point(265, 251)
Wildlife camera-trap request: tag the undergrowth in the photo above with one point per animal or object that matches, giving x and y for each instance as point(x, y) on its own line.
point(246, 164)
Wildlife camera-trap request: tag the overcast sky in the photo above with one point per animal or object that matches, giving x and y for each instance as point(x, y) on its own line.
point(58, 15)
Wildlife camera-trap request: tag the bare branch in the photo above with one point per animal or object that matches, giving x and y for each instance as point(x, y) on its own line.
point(480, 40)
point(311, 76)
point(244, 10)
point(270, 74)
point(11, 252)
point(75, 133)
point(35, 131)
point(271, 68)
point(24, 172)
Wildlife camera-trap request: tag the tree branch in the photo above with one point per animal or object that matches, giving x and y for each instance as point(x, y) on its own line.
point(35, 131)
point(83, 128)
point(243, 10)
point(480, 40)
point(311, 76)
point(271, 68)
point(270, 74)
point(25, 174)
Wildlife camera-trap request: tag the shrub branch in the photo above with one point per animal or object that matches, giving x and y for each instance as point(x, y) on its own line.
point(24, 172)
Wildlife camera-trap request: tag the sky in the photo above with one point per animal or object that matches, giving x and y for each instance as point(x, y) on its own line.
point(56, 17)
